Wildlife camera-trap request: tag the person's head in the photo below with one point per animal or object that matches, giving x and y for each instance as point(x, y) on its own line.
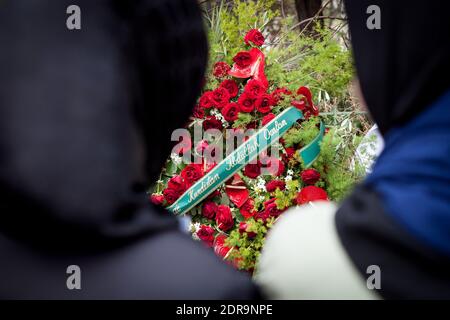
point(404, 65)
point(86, 115)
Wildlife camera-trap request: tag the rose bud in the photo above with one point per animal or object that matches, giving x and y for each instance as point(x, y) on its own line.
point(157, 199)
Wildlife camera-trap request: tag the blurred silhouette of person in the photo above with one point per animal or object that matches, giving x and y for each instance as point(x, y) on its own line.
point(85, 119)
point(391, 237)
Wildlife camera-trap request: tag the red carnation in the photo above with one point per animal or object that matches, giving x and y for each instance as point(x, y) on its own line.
point(267, 118)
point(246, 102)
point(191, 173)
point(230, 111)
point(264, 103)
point(231, 87)
point(209, 209)
point(177, 184)
point(310, 176)
point(243, 59)
point(221, 97)
point(252, 170)
point(271, 186)
point(224, 219)
point(206, 234)
point(247, 210)
point(254, 36)
point(221, 69)
point(271, 208)
point(157, 199)
point(206, 100)
point(219, 246)
point(212, 123)
point(255, 87)
point(171, 195)
point(311, 193)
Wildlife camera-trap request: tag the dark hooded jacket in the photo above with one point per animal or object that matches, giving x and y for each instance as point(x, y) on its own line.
point(399, 218)
point(85, 123)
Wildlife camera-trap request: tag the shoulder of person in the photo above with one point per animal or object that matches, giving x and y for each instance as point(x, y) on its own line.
point(303, 258)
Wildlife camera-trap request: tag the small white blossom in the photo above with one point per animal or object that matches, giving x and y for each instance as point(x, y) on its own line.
point(262, 198)
point(175, 158)
point(194, 227)
point(288, 178)
point(290, 172)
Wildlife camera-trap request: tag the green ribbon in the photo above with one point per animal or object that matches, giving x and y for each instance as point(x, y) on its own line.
point(245, 153)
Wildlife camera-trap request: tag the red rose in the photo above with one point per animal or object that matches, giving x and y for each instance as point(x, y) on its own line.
point(191, 173)
point(212, 123)
point(310, 176)
point(221, 97)
point(264, 103)
point(271, 186)
point(279, 93)
point(221, 69)
point(219, 246)
point(177, 183)
point(230, 111)
point(224, 219)
point(209, 209)
point(206, 101)
point(273, 165)
point(243, 228)
point(255, 87)
point(252, 170)
point(157, 199)
point(243, 59)
point(247, 210)
point(206, 234)
point(271, 208)
point(267, 118)
point(311, 193)
point(246, 102)
point(231, 86)
point(255, 36)
point(171, 195)
point(198, 112)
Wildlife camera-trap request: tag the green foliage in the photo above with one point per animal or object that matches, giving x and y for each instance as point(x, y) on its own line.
point(246, 251)
point(243, 120)
point(303, 134)
point(334, 166)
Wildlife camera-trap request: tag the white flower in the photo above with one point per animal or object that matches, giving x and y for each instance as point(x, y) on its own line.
point(175, 158)
point(288, 178)
point(290, 172)
point(194, 227)
point(262, 198)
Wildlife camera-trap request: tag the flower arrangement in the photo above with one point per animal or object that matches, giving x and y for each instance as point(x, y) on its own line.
point(234, 214)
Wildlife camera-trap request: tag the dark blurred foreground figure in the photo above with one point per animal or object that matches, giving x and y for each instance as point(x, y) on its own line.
point(85, 121)
point(392, 233)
